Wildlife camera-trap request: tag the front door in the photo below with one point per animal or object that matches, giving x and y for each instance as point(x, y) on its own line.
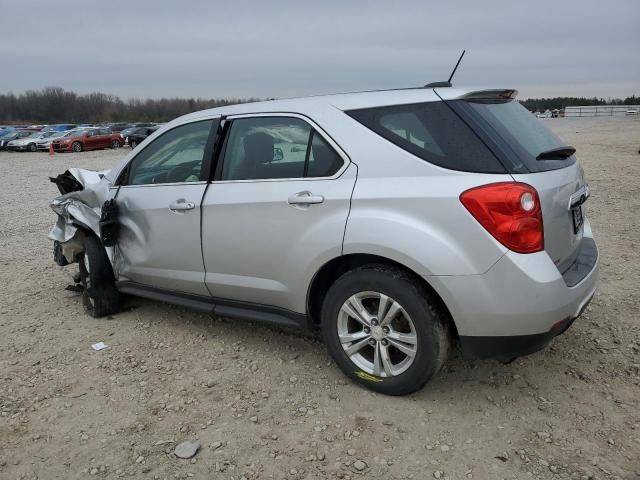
point(159, 211)
point(275, 212)
point(91, 139)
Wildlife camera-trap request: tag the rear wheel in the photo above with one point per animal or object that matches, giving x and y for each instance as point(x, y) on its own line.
point(76, 147)
point(100, 296)
point(115, 144)
point(384, 329)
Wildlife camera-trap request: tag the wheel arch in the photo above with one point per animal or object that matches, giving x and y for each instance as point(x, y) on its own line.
point(333, 269)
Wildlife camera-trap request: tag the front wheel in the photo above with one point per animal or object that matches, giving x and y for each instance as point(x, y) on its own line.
point(115, 144)
point(384, 329)
point(32, 147)
point(76, 147)
point(100, 296)
point(133, 143)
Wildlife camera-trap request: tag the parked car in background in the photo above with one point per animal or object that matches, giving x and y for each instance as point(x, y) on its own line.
point(139, 134)
point(12, 135)
point(43, 143)
point(88, 139)
point(30, 143)
point(118, 127)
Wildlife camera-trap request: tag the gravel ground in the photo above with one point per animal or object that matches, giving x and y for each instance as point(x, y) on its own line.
point(268, 404)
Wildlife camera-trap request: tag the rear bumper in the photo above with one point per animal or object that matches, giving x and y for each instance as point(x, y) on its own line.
point(514, 346)
point(521, 303)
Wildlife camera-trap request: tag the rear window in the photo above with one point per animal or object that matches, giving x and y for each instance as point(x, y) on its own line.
point(432, 132)
point(517, 133)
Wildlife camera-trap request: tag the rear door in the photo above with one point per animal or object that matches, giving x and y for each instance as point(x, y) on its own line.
point(159, 210)
point(104, 138)
point(276, 210)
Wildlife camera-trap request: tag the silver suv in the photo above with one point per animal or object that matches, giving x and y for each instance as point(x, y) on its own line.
point(392, 222)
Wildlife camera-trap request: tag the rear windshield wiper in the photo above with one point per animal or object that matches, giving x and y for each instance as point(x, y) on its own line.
point(559, 153)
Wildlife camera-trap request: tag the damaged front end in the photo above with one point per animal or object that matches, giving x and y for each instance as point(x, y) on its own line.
point(83, 207)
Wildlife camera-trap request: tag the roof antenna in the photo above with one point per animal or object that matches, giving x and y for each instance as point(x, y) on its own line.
point(448, 82)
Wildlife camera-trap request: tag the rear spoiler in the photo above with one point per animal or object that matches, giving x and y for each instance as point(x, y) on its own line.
point(491, 96)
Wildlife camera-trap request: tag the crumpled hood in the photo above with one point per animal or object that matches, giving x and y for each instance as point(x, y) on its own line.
point(83, 194)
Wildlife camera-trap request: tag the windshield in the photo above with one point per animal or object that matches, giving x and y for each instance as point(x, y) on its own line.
point(523, 136)
point(74, 132)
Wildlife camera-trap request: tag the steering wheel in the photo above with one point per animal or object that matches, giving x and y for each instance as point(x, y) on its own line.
point(181, 172)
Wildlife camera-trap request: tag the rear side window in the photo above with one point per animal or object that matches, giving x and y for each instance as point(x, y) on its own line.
point(517, 132)
point(432, 132)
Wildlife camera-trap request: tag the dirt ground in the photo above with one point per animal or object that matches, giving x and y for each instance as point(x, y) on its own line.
point(269, 404)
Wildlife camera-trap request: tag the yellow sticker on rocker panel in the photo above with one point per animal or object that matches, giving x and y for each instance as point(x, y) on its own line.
point(365, 376)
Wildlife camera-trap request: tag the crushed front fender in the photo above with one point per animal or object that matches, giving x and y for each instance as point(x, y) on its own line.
point(83, 194)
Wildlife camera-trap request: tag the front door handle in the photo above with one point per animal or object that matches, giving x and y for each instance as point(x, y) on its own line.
point(305, 198)
point(181, 206)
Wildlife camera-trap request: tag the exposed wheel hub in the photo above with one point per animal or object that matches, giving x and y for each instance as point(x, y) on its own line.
point(377, 333)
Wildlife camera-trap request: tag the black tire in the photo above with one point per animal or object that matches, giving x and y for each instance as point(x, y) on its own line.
point(32, 147)
point(133, 143)
point(100, 297)
point(425, 312)
point(76, 147)
point(115, 144)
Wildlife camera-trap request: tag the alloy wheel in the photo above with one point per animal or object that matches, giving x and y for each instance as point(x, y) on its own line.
point(377, 334)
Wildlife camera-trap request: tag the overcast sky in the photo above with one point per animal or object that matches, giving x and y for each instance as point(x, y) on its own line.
point(208, 48)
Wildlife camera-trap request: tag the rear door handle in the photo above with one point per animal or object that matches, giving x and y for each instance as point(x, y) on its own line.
point(305, 198)
point(181, 206)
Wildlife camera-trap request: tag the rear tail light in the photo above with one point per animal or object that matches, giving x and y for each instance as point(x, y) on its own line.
point(510, 212)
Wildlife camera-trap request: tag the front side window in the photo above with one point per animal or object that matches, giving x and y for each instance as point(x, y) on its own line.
point(274, 148)
point(175, 156)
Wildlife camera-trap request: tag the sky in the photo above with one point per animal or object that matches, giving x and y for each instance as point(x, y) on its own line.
point(276, 49)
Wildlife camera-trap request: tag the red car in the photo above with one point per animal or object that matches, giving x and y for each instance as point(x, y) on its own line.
point(87, 139)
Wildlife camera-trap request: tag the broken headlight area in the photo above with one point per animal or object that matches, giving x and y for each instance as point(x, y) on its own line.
point(84, 207)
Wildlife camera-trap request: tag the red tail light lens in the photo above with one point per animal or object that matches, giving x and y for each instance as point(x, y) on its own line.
point(510, 212)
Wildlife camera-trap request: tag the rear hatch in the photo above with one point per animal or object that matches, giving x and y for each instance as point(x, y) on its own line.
point(532, 155)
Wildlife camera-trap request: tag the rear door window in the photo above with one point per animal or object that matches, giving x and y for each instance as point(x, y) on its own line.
point(433, 132)
point(262, 148)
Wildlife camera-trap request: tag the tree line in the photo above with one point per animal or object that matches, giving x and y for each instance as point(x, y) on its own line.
point(542, 104)
point(57, 105)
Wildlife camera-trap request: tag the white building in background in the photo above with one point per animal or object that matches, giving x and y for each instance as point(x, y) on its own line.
point(602, 111)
